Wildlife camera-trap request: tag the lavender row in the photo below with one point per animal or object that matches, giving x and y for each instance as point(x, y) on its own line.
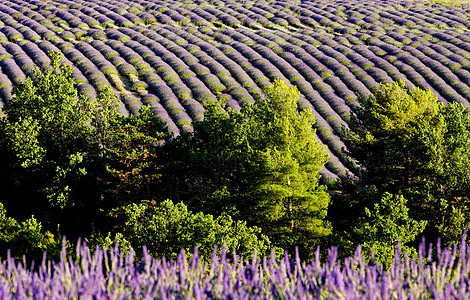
point(102, 274)
point(135, 64)
point(338, 19)
point(176, 53)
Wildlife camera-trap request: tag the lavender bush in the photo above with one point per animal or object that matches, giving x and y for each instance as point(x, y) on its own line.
point(102, 274)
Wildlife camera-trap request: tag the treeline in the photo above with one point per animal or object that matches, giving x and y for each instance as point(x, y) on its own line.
point(248, 178)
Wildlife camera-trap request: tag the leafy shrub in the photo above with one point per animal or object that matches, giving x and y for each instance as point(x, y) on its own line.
point(167, 228)
point(385, 225)
point(26, 239)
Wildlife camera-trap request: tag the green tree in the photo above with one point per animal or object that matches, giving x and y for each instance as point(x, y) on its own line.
point(260, 164)
point(167, 228)
point(384, 136)
point(408, 142)
point(445, 168)
point(66, 158)
point(129, 152)
point(387, 224)
point(444, 174)
point(46, 128)
point(288, 201)
point(204, 168)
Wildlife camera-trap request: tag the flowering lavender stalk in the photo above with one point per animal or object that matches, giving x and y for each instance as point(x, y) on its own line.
point(104, 274)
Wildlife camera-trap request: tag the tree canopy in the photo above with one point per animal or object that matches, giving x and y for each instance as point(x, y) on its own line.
point(288, 200)
point(166, 229)
point(383, 226)
point(260, 164)
point(46, 129)
point(66, 157)
point(408, 142)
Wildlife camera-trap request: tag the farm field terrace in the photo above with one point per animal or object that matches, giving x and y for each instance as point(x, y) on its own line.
point(177, 55)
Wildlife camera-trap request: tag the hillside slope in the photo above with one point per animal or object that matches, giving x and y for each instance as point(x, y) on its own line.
point(177, 55)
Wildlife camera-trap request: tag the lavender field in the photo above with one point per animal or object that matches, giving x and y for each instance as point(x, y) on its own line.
point(435, 274)
point(177, 55)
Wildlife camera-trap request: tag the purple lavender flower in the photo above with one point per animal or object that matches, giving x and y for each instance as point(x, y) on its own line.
point(87, 90)
point(11, 33)
point(12, 70)
point(132, 102)
point(36, 54)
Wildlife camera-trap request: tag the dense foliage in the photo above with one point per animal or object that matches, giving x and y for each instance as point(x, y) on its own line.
point(46, 133)
point(250, 178)
point(87, 172)
point(410, 155)
point(26, 238)
point(261, 164)
point(288, 201)
point(62, 155)
point(167, 229)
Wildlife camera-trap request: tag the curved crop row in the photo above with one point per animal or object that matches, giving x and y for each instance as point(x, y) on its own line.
point(177, 55)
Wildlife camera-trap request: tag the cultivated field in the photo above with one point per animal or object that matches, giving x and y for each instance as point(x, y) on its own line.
point(177, 55)
point(114, 275)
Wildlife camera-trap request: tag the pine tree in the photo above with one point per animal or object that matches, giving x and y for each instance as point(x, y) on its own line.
point(260, 164)
point(289, 202)
point(407, 142)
